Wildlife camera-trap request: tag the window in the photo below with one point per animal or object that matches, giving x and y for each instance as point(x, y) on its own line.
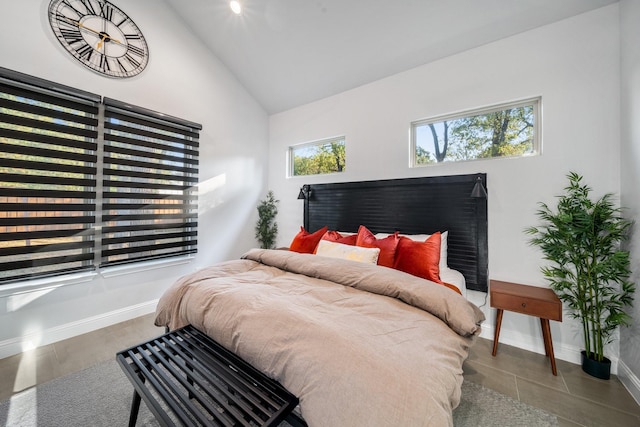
point(150, 201)
point(64, 175)
point(507, 130)
point(318, 157)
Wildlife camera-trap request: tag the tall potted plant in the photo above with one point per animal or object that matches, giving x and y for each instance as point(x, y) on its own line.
point(588, 270)
point(266, 227)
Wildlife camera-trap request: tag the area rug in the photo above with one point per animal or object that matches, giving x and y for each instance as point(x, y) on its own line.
point(101, 396)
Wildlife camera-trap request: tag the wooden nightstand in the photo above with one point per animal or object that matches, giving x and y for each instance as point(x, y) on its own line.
point(531, 300)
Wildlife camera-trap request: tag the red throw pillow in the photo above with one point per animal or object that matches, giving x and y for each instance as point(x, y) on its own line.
point(305, 242)
point(388, 245)
point(334, 236)
point(420, 258)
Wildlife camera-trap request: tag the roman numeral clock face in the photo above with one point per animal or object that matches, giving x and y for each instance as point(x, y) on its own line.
point(100, 36)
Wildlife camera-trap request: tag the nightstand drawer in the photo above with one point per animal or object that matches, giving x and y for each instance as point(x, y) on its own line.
point(531, 300)
point(524, 305)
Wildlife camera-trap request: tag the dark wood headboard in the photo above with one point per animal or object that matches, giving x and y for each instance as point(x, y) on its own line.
point(411, 206)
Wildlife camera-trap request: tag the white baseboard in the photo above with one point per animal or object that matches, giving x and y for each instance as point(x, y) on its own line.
point(630, 380)
point(17, 345)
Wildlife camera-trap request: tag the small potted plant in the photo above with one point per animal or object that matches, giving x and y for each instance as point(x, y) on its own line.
point(588, 270)
point(266, 227)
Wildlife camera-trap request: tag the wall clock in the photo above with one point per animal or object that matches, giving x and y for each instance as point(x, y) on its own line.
point(100, 36)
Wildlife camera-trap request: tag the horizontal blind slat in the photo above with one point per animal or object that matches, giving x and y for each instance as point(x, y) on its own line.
point(140, 152)
point(147, 206)
point(17, 135)
point(46, 234)
point(145, 217)
point(48, 112)
point(121, 115)
point(149, 227)
point(191, 168)
point(38, 249)
point(147, 185)
point(47, 97)
point(54, 220)
point(156, 175)
point(48, 193)
point(125, 134)
point(140, 196)
point(161, 236)
point(46, 166)
point(47, 126)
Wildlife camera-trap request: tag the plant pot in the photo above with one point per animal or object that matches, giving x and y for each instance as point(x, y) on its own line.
point(594, 368)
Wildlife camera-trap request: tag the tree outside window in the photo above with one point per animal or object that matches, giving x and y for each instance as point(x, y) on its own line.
point(319, 157)
point(509, 130)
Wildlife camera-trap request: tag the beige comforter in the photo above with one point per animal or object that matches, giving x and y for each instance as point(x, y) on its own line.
point(359, 344)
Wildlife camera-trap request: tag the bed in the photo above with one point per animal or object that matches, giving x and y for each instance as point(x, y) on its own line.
point(359, 344)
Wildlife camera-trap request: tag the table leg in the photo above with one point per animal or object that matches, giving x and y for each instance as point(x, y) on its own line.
point(135, 408)
point(548, 344)
point(497, 332)
point(544, 337)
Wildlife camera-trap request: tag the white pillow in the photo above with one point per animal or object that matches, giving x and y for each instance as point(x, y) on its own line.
point(353, 253)
point(455, 278)
point(423, 237)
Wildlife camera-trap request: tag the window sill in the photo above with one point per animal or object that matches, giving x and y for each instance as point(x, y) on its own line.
point(51, 283)
point(45, 284)
point(121, 270)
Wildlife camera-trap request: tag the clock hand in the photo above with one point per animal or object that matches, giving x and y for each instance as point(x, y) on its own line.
point(91, 30)
point(99, 45)
point(79, 24)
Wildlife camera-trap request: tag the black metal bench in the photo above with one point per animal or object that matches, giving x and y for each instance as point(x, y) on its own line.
point(186, 378)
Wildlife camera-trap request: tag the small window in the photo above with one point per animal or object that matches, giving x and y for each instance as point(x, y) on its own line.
point(507, 130)
point(318, 157)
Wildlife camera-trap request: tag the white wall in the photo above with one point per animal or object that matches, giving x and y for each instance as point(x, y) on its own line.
point(572, 64)
point(182, 79)
point(630, 177)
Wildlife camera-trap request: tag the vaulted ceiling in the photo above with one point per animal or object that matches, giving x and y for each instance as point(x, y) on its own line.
point(287, 53)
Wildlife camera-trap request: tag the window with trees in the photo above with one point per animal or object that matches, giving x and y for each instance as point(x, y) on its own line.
point(318, 157)
point(87, 183)
point(506, 130)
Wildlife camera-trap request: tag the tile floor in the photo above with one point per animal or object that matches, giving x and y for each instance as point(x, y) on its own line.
point(576, 398)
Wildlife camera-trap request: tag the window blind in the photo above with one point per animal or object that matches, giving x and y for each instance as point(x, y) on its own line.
point(72, 163)
point(150, 173)
point(48, 137)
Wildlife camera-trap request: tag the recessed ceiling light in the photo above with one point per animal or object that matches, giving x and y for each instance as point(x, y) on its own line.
point(235, 6)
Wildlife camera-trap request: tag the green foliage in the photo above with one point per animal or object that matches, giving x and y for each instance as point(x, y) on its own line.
point(327, 158)
point(423, 157)
point(498, 134)
point(588, 270)
point(266, 227)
